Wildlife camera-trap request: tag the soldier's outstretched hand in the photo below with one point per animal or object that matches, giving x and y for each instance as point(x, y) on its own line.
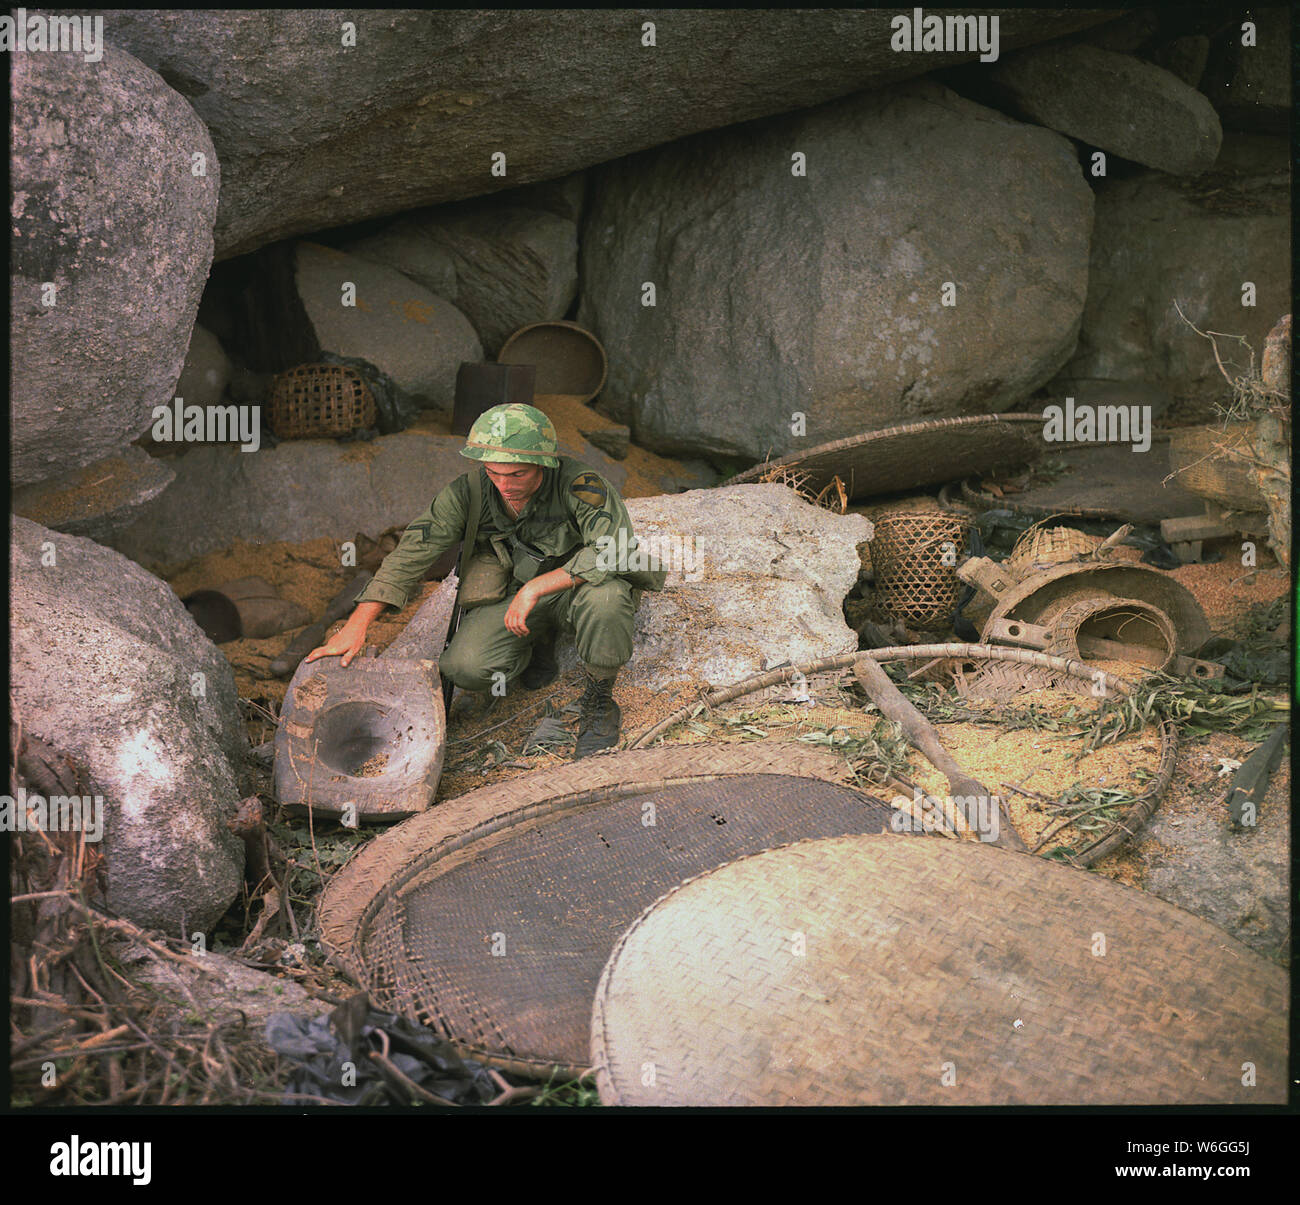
point(347, 642)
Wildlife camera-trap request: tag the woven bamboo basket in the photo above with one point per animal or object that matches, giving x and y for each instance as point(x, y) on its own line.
point(320, 401)
point(1040, 547)
point(1215, 463)
point(915, 557)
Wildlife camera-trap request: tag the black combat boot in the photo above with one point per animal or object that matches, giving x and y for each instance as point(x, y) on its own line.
point(599, 726)
point(543, 669)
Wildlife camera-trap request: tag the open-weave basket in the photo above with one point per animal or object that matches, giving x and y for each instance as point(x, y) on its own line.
point(1040, 547)
point(319, 401)
point(915, 556)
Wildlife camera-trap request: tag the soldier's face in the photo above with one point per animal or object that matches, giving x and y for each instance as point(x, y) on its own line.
point(516, 483)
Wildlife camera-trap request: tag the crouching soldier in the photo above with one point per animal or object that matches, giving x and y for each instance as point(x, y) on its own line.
point(543, 539)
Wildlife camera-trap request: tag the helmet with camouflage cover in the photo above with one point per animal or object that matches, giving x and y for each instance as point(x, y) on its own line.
point(513, 434)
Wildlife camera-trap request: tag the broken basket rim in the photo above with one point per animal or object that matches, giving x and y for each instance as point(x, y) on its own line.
point(1125, 827)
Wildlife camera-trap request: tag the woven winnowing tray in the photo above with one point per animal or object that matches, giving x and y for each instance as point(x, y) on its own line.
point(871, 971)
point(490, 918)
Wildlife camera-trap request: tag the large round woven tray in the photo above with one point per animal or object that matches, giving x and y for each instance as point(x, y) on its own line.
point(914, 455)
point(1100, 482)
point(865, 971)
point(569, 358)
point(490, 918)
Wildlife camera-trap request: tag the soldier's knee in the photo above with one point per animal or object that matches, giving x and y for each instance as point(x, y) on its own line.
point(458, 665)
point(613, 596)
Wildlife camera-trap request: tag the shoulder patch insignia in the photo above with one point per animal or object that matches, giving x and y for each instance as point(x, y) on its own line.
point(589, 488)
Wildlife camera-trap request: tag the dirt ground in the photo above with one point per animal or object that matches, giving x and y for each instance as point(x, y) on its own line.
point(485, 746)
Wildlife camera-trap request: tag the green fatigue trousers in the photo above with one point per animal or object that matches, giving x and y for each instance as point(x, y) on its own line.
point(600, 618)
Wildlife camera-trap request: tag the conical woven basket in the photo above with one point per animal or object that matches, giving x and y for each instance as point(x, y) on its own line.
point(1040, 547)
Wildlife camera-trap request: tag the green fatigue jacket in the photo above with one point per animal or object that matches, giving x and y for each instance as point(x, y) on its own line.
point(576, 520)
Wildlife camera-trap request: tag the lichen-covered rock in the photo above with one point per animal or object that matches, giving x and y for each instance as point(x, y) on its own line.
point(325, 117)
point(108, 667)
point(111, 241)
point(932, 262)
point(756, 577)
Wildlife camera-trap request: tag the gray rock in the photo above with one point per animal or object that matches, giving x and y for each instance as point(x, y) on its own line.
point(509, 266)
point(248, 387)
point(565, 196)
point(99, 500)
point(206, 372)
point(218, 990)
point(756, 576)
point(104, 667)
point(403, 247)
point(1236, 880)
point(314, 134)
point(691, 475)
point(299, 490)
point(1115, 393)
point(1159, 241)
point(1120, 104)
point(1250, 86)
point(1185, 57)
point(594, 457)
point(1126, 34)
point(822, 294)
point(404, 330)
point(613, 441)
point(106, 209)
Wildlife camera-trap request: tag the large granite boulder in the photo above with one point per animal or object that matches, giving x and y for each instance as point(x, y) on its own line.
point(1130, 108)
point(302, 489)
point(1163, 243)
point(508, 265)
point(756, 577)
point(824, 294)
point(98, 500)
point(299, 490)
point(206, 372)
point(1250, 85)
point(109, 668)
point(111, 241)
point(327, 117)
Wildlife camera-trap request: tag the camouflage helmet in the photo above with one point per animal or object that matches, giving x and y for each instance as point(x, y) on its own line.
point(514, 434)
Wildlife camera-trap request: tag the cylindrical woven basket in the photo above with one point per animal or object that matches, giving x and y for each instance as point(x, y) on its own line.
point(915, 557)
point(1212, 462)
point(320, 401)
point(570, 360)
